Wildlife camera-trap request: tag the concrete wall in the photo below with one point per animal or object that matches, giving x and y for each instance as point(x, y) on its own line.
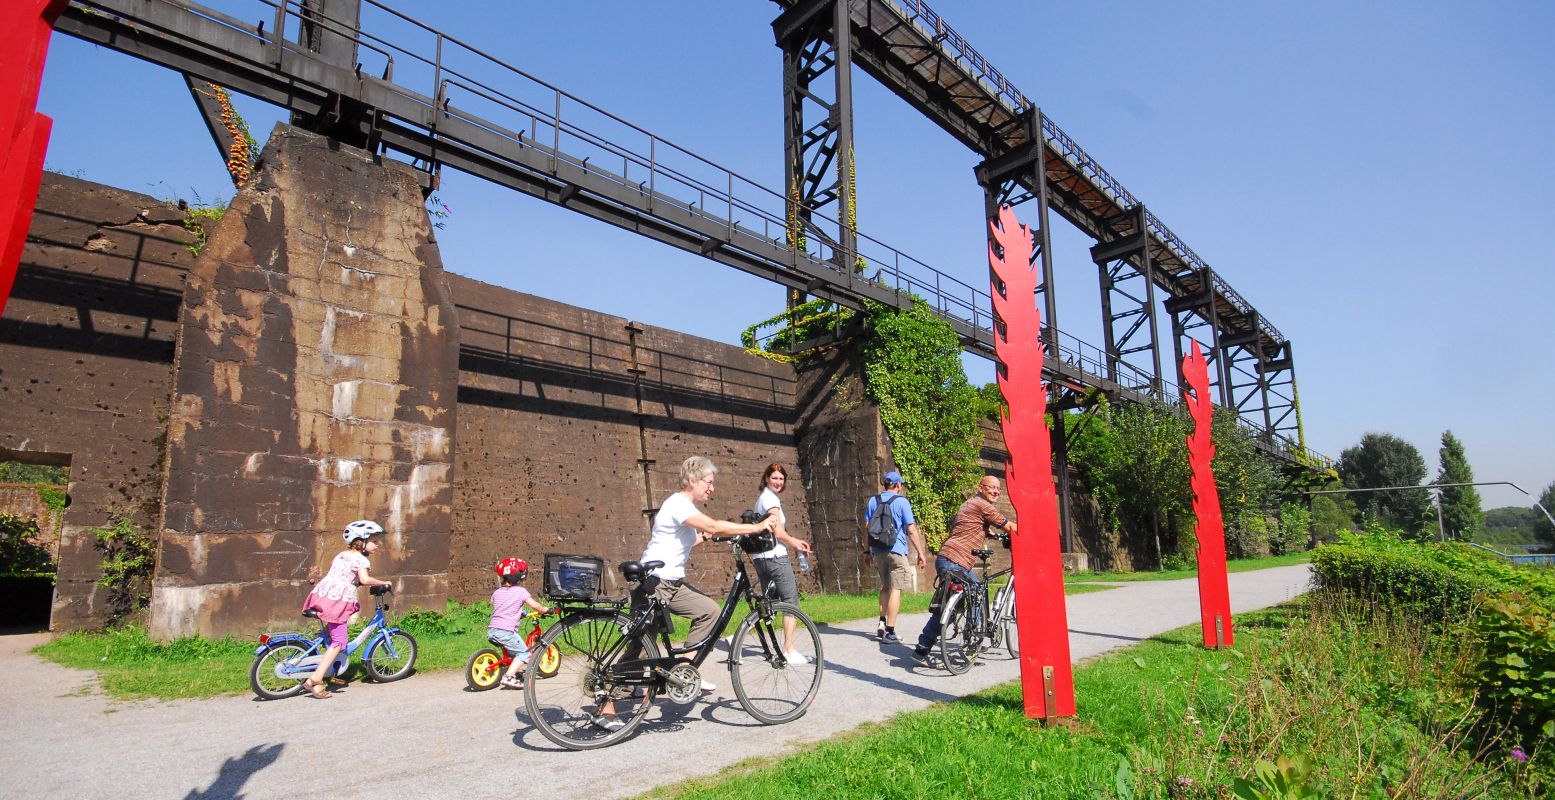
point(86, 352)
point(560, 410)
point(314, 385)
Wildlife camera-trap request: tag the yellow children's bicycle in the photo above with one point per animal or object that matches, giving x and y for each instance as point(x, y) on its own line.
point(486, 667)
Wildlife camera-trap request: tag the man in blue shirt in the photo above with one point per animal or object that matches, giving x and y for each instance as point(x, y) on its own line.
point(891, 563)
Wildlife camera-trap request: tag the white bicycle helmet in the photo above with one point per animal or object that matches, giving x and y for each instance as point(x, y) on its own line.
point(361, 529)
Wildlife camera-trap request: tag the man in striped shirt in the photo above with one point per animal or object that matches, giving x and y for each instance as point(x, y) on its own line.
point(972, 524)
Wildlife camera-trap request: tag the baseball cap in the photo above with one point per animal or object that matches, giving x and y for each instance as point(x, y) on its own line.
point(891, 478)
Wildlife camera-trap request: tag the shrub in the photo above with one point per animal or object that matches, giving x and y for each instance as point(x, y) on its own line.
point(20, 553)
point(1516, 672)
point(1294, 530)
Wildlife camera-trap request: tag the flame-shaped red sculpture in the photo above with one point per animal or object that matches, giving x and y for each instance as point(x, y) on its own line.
point(1214, 593)
point(1047, 680)
point(25, 26)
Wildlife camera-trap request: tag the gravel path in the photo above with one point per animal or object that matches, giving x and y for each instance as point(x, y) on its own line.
point(426, 736)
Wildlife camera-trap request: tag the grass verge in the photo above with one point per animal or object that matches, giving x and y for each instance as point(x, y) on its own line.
point(132, 666)
point(1234, 565)
point(1328, 701)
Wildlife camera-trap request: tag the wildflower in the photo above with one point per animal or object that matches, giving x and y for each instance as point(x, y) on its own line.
point(1184, 780)
point(1519, 755)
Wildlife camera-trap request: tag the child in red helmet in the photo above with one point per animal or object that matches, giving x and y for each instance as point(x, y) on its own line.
point(507, 608)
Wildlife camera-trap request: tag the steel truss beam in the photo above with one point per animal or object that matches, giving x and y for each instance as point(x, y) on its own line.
point(1194, 316)
point(1128, 306)
point(818, 129)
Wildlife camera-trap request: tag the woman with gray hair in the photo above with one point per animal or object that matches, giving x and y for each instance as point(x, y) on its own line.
point(678, 527)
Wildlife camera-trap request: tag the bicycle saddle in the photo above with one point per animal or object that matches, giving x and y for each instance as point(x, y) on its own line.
point(982, 553)
point(311, 612)
point(633, 571)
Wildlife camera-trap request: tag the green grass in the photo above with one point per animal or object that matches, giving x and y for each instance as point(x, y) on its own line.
point(1234, 565)
point(1373, 703)
point(133, 667)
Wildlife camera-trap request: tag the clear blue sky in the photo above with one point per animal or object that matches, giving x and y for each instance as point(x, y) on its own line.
point(1376, 178)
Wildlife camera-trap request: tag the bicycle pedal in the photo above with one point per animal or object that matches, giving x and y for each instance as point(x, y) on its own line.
point(335, 683)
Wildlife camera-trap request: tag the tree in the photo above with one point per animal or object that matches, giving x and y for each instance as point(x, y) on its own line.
point(1332, 513)
point(1541, 525)
point(1462, 515)
point(1382, 459)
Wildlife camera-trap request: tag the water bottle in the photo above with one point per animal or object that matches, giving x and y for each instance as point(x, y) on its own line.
point(804, 563)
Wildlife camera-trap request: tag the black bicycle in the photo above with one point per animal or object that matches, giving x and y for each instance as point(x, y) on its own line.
point(616, 660)
point(970, 625)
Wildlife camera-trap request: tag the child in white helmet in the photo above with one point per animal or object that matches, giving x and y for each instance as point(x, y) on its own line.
point(334, 597)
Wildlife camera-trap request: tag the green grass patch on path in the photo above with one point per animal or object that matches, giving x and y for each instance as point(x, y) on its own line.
point(1234, 565)
point(132, 666)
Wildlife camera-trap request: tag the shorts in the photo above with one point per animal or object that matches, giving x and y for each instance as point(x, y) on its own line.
point(894, 571)
point(337, 634)
point(779, 574)
point(511, 642)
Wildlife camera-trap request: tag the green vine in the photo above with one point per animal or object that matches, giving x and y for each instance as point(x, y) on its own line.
point(129, 554)
point(912, 370)
point(794, 326)
point(197, 220)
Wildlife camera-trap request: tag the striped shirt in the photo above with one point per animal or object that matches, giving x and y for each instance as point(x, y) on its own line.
point(971, 524)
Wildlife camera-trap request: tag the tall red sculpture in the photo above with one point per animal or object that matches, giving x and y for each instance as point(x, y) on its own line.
point(1047, 679)
point(1214, 593)
point(25, 26)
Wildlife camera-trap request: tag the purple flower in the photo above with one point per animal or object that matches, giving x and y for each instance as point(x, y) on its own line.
point(1519, 755)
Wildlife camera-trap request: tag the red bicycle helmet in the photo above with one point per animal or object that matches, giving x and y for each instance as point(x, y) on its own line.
point(513, 566)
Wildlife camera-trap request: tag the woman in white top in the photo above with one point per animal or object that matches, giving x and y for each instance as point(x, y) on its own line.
point(774, 572)
point(677, 528)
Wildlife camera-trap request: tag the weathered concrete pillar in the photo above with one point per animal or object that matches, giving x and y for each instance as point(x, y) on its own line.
point(315, 384)
point(843, 451)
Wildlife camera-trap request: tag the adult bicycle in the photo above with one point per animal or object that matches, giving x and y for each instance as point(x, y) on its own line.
point(619, 658)
point(284, 659)
point(971, 625)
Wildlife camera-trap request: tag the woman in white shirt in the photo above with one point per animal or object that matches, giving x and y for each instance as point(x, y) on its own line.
point(774, 572)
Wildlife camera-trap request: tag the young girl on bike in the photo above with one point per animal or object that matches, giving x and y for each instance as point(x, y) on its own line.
point(507, 608)
point(772, 567)
point(334, 597)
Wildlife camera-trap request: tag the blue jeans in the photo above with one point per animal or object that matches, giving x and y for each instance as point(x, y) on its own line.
point(511, 642)
point(949, 572)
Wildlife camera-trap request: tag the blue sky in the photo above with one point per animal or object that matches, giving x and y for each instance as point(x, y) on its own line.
point(1376, 178)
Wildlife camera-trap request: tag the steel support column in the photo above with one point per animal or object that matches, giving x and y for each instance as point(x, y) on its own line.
point(1128, 306)
point(818, 132)
point(1193, 317)
point(331, 29)
point(1246, 368)
point(1004, 180)
point(1284, 408)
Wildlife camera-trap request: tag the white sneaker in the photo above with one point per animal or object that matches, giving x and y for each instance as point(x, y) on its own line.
point(797, 658)
point(708, 686)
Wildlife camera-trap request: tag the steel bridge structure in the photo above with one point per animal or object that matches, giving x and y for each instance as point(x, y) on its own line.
point(442, 103)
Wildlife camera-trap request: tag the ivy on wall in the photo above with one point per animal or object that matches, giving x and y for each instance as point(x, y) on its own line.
point(912, 370)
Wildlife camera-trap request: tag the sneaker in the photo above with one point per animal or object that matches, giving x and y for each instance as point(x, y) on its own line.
point(880, 629)
point(796, 658)
point(926, 660)
point(708, 686)
point(890, 637)
point(609, 723)
point(512, 682)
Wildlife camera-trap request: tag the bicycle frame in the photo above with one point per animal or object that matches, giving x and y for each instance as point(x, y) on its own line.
point(993, 613)
point(376, 627)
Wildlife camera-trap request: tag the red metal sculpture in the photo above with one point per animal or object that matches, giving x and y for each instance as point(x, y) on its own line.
point(1214, 593)
point(1047, 680)
point(25, 26)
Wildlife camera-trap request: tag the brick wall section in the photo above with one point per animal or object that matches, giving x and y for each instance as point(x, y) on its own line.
point(25, 500)
point(86, 351)
point(551, 436)
point(315, 384)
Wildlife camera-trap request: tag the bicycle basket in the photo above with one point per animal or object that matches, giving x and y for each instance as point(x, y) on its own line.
point(570, 577)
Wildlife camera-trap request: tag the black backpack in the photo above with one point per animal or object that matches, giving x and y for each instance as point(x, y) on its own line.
point(882, 526)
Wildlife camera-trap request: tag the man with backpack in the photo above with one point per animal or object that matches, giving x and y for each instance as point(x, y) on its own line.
point(889, 529)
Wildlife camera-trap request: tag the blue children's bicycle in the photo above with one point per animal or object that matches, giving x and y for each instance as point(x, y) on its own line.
point(284, 659)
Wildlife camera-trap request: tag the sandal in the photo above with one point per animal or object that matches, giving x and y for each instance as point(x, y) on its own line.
point(316, 689)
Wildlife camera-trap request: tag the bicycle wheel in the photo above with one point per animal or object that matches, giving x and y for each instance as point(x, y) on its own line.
point(549, 657)
point(956, 639)
point(1011, 632)
point(266, 676)
point(570, 707)
point(483, 670)
point(385, 666)
point(772, 685)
